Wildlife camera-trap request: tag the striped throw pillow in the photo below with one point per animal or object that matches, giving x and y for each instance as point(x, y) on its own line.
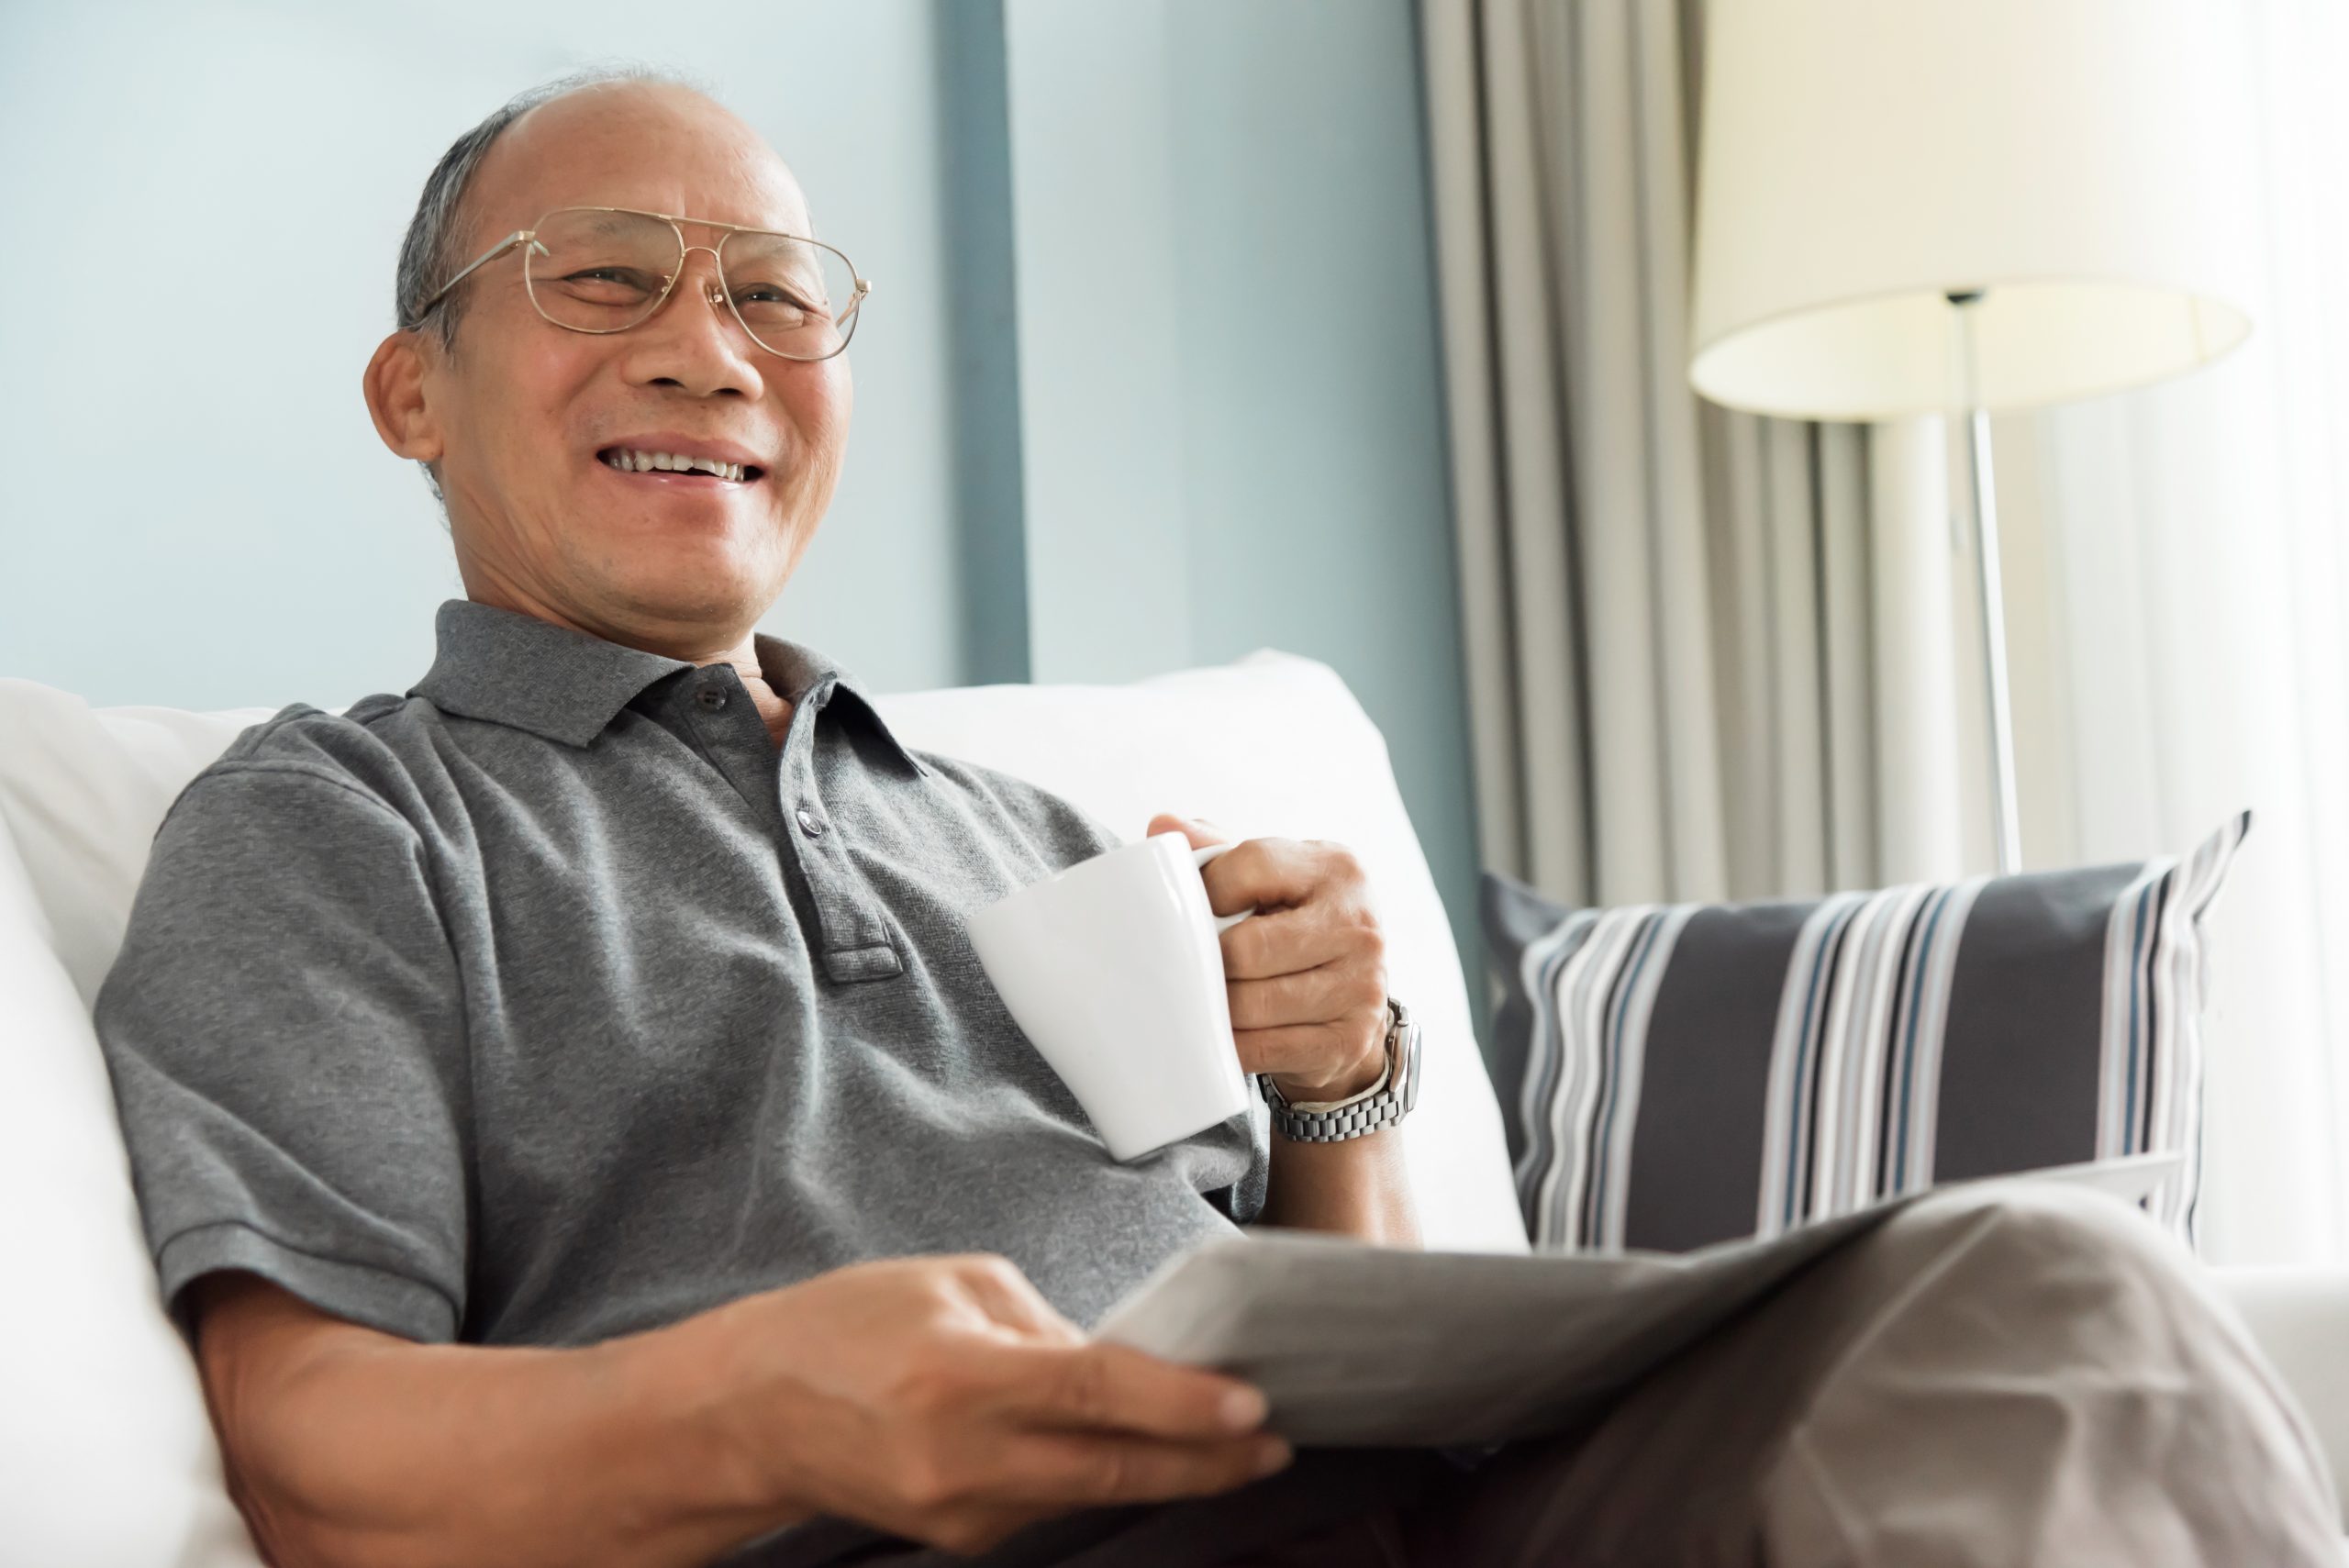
point(1679, 1074)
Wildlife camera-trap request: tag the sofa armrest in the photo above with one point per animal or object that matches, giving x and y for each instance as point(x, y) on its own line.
point(2300, 1317)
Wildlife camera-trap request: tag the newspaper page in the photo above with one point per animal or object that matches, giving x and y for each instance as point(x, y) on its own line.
point(1361, 1345)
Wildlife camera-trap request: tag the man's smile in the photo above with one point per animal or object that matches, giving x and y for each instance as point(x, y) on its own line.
point(665, 459)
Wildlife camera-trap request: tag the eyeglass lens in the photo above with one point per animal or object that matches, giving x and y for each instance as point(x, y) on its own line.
point(603, 272)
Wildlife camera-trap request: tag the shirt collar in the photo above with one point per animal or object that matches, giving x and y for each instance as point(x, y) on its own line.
point(507, 668)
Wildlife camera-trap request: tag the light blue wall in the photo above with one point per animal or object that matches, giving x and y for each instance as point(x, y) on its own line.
point(1320, 511)
point(1105, 320)
point(1150, 379)
point(1232, 428)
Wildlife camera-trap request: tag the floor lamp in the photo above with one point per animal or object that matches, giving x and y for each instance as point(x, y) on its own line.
point(1966, 206)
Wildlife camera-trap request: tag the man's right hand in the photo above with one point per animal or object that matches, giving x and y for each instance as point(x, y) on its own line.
point(939, 1398)
point(944, 1399)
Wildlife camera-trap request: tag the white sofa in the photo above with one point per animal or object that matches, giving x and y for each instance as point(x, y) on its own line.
point(107, 1456)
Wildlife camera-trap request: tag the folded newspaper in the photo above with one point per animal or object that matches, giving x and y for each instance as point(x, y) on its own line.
point(1361, 1345)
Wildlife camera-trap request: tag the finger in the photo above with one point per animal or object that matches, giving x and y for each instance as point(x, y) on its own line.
point(1345, 990)
point(1199, 831)
point(1264, 873)
point(1071, 1469)
point(1285, 941)
point(998, 1289)
point(1311, 996)
point(1308, 1053)
point(1115, 1388)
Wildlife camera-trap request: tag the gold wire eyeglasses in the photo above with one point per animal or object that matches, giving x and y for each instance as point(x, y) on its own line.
point(606, 269)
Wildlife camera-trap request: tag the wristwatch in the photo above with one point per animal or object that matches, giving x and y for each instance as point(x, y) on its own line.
point(1381, 1105)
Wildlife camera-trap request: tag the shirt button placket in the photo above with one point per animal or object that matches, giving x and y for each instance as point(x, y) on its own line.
point(855, 940)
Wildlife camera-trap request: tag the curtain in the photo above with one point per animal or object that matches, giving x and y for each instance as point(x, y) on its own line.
point(1711, 655)
point(2188, 654)
point(1708, 654)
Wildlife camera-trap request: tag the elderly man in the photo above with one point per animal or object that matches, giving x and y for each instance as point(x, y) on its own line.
point(573, 1129)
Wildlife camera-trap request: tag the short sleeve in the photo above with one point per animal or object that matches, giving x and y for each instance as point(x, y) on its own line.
point(285, 1027)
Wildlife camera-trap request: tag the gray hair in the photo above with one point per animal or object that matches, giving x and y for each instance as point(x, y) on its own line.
point(432, 252)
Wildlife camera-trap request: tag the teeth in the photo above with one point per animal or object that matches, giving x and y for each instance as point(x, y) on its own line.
point(633, 461)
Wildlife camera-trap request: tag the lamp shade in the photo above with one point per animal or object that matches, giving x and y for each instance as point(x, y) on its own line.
point(2083, 163)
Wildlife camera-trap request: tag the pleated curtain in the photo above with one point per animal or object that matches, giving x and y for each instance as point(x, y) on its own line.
point(2193, 654)
point(1709, 655)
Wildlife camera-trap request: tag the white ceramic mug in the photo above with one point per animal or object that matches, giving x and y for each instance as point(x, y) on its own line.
point(1113, 970)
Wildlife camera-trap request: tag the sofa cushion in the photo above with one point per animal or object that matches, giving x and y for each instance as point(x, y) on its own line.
point(107, 1455)
point(1684, 1074)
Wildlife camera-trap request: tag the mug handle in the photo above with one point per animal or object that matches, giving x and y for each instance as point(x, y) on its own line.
point(1199, 858)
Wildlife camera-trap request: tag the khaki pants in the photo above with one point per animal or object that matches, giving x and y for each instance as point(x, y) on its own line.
point(1994, 1379)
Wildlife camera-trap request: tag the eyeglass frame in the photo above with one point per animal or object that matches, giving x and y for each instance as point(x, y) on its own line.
point(857, 296)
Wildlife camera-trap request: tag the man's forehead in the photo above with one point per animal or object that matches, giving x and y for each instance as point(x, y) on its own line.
point(653, 145)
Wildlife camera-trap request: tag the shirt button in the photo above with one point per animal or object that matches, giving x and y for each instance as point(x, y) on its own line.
point(810, 824)
point(710, 697)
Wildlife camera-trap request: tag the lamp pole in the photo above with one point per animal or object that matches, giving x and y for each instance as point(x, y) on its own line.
point(1982, 483)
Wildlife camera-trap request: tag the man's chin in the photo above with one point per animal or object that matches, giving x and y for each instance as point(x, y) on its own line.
point(681, 591)
point(655, 571)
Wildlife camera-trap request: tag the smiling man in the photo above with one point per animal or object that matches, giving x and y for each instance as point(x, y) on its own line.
point(572, 1128)
point(605, 994)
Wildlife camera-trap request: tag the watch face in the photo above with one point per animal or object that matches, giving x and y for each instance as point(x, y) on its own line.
point(1411, 1067)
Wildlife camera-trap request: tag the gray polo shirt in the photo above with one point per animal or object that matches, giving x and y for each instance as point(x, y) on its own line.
point(552, 1001)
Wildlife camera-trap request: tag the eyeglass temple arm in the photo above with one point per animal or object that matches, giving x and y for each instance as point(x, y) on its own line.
point(484, 259)
point(855, 300)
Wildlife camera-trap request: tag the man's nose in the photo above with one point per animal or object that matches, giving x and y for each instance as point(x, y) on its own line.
point(696, 344)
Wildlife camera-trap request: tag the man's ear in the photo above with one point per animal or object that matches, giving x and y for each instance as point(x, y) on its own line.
point(394, 385)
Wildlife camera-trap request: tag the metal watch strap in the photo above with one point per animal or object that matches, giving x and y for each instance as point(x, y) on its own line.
point(1381, 1105)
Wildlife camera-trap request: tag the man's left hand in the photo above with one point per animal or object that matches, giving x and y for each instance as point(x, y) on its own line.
point(1308, 976)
